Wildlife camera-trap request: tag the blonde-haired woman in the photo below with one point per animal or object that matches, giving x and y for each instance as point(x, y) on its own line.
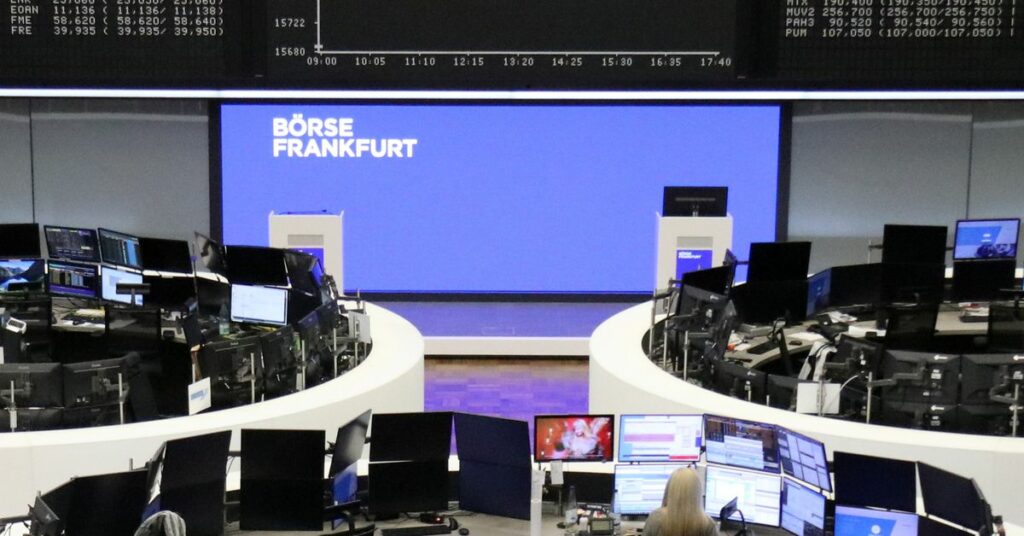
point(681, 512)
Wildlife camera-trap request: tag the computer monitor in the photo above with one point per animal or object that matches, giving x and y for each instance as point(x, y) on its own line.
point(281, 480)
point(170, 292)
point(120, 249)
point(212, 295)
point(252, 265)
point(492, 440)
point(20, 241)
point(912, 283)
point(778, 261)
point(73, 279)
point(931, 527)
point(982, 280)
point(639, 489)
point(717, 280)
point(94, 383)
point(391, 433)
point(780, 391)
point(690, 201)
point(300, 271)
point(73, 244)
point(951, 497)
point(758, 495)
point(36, 385)
point(860, 356)
point(494, 465)
point(986, 239)
point(278, 353)
point(694, 301)
point(740, 443)
point(858, 480)
point(573, 438)
point(856, 284)
point(259, 305)
point(819, 291)
point(660, 438)
point(210, 255)
point(111, 277)
point(22, 275)
point(766, 302)
point(166, 255)
point(738, 381)
point(349, 443)
point(803, 510)
point(803, 458)
point(853, 521)
point(910, 326)
point(914, 244)
point(927, 377)
point(407, 486)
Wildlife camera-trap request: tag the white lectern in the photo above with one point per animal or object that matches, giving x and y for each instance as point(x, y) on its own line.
point(690, 243)
point(316, 233)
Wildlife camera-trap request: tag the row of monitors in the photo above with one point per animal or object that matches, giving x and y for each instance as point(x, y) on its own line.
point(682, 438)
point(51, 385)
point(774, 501)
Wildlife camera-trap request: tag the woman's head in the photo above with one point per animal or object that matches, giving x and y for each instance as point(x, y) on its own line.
point(683, 503)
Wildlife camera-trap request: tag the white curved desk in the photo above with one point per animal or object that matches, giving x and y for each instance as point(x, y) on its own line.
point(623, 380)
point(389, 380)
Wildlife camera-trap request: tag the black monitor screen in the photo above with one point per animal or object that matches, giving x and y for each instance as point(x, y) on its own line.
point(210, 255)
point(914, 244)
point(717, 280)
point(170, 292)
point(986, 239)
point(19, 241)
point(951, 497)
point(300, 271)
point(166, 255)
point(689, 201)
point(35, 384)
point(492, 440)
point(73, 279)
point(930, 527)
point(982, 280)
point(120, 249)
point(855, 284)
point(765, 302)
point(252, 265)
point(858, 476)
point(804, 458)
point(739, 443)
point(391, 433)
point(349, 442)
point(72, 244)
point(819, 289)
point(420, 486)
point(779, 261)
point(22, 275)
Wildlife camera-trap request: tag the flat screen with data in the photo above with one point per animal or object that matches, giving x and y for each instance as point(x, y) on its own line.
point(660, 438)
point(740, 443)
point(639, 489)
point(259, 305)
point(803, 510)
point(804, 458)
point(456, 198)
point(758, 494)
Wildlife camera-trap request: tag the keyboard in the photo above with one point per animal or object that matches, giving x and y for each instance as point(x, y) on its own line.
point(84, 316)
point(419, 530)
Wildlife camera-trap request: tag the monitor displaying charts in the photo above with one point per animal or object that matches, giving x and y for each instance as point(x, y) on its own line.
point(660, 438)
point(120, 249)
point(758, 494)
point(72, 244)
point(986, 239)
point(73, 279)
point(259, 305)
point(803, 510)
point(803, 458)
point(739, 443)
point(111, 277)
point(639, 489)
point(852, 521)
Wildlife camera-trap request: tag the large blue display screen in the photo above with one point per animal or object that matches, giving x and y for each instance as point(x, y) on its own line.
point(495, 198)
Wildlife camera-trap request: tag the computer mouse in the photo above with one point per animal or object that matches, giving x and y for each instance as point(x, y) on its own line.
point(795, 343)
point(463, 531)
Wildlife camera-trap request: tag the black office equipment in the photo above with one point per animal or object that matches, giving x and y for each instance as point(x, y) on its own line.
point(44, 521)
point(301, 271)
point(36, 385)
point(986, 239)
point(19, 241)
point(410, 486)
point(910, 327)
point(282, 480)
point(927, 377)
point(91, 514)
point(856, 357)
point(212, 295)
point(252, 265)
point(819, 291)
point(419, 530)
point(166, 255)
point(914, 244)
point(858, 476)
point(689, 201)
point(72, 244)
point(411, 436)
point(73, 280)
point(345, 454)
point(856, 284)
point(912, 282)
point(1005, 327)
point(931, 527)
point(210, 255)
point(778, 261)
point(92, 383)
point(982, 280)
point(494, 465)
point(951, 497)
point(990, 385)
point(717, 280)
point(193, 480)
point(31, 419)
point(780, 391)
point(279, 361)
point(738, 381)
point(170, 292)
point(120, 249)
point(235, 369)
point(22, 276)
point(766, 302)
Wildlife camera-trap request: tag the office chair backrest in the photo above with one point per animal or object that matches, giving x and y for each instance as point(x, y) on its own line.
point(911, 327)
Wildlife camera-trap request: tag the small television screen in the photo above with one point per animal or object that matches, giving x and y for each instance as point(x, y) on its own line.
point(639, 489)
point(73, 279)
point(758, 494)
point(19, 241)
point(573, 438)
point(22, 275)
point(986, 239)
point(852, 521)
point(803, 458)
point(120, 249)
point(739, 443)
point(111, 277)
point(803, 510)
point(259, 305)
point(166, 255)
point(690, 201)
point(72, 244)
point(660, 438)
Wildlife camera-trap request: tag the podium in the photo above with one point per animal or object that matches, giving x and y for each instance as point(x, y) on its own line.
point(316, 233)
point(686, 244)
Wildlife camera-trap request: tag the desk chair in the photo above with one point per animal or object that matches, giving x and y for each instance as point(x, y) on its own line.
point(1005, 327)
point(910, 327)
